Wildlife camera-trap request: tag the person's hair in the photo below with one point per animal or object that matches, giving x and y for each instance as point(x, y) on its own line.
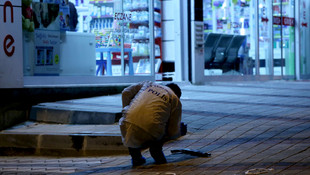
point(175, 88)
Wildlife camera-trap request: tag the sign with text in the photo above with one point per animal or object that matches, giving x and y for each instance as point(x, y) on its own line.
point(11, 50)
point(47, 51)
point(286, 21)
point(277, 20)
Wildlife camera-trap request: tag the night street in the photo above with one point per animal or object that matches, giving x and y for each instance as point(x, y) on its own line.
point(248, 127)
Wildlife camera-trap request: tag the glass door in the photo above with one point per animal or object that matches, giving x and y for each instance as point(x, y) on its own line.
point(228, 34)
point(304, 10)
point(284, 37)
point(265, 39)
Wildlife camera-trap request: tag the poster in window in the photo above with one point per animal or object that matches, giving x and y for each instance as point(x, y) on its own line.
point(46, 16)
point(47, 51)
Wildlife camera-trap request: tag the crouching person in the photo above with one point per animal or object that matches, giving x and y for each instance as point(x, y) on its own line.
point(151, 116)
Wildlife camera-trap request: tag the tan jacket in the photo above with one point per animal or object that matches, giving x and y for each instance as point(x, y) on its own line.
point(154, 109)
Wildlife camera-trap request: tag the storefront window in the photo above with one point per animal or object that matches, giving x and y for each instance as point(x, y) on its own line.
point(284, 37)
point(127, 26)
point(273, 37)
point(228, 37)
point(91, 37)
point(122, 30)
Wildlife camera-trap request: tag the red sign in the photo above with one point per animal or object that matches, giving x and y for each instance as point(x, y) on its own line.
point(286, 21)
point(277, 20)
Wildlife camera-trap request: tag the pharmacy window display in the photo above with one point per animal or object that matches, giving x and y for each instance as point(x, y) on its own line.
point(90, 37)
point(124, 23)
point(227, 34)
point(45, 26)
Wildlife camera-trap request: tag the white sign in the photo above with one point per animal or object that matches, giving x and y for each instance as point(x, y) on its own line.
point(47, 51)
point(11, 50)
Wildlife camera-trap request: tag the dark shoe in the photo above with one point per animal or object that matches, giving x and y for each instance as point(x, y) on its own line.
point(136, 156)
point(138, 162)
point(159, 157)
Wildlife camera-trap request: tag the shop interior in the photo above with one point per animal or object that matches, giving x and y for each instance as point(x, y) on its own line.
point(117, 38)
point(235, 20)
point(91, 37)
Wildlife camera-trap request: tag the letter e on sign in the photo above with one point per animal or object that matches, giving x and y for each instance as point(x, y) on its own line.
point(7, 43)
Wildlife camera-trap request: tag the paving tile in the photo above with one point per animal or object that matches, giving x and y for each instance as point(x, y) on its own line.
point(9, 168)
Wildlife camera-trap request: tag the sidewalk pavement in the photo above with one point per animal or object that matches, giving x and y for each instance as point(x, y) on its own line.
point(248, 127)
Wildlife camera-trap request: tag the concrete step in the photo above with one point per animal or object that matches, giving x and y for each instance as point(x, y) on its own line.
point(33, 138)
point(97, 110)
point(80, 127)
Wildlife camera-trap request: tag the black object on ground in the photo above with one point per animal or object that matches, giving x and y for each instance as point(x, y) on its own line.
point(183, 129)
point(191, 152)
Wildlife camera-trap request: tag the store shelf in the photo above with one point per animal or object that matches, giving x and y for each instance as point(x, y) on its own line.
point(207, 19)
point(278, 15)
point(100, 1)
point(82, 9)
point(135, 24)
point(208, 31)
point(139, 9)
point(141, 40)
point(139, 22)
point(102, 16)
point(279, 3)
point(279, 37)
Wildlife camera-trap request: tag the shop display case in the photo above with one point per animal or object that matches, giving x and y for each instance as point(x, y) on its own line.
point(52, 47)
point(113, 21)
